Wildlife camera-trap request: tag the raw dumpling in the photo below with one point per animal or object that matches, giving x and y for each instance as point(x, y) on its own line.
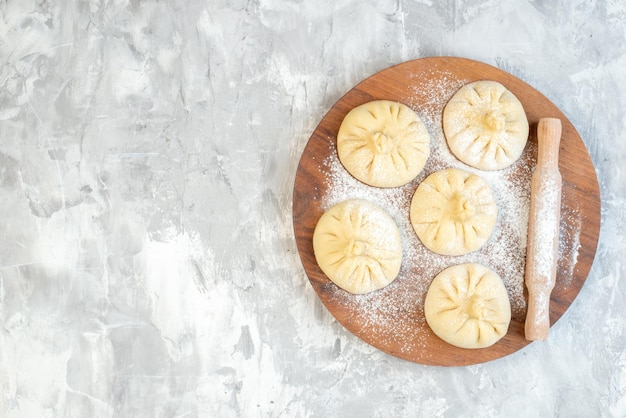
point(485, 125)
point(383, 143)
point(453, 212)
point(468, 306)
point(358, 246)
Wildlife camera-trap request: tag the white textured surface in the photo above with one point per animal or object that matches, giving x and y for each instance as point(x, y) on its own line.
point(147, 157)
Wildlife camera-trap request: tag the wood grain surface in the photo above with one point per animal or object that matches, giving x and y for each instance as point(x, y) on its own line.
point(394, 321)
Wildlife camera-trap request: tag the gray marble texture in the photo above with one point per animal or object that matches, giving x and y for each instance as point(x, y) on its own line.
point(148, 151)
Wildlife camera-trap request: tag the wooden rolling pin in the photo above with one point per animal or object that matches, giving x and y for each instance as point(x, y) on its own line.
point(543, 230)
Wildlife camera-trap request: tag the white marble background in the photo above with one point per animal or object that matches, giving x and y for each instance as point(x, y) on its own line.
point(147, 156)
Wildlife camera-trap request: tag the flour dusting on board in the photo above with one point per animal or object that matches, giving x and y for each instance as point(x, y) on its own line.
point(569, 245)
point(395, 314)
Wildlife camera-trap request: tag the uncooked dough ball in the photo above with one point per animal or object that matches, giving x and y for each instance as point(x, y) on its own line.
point(468, 306)
point(453, 212)
point(485, 125)
point(358, 246)
point(383, 143)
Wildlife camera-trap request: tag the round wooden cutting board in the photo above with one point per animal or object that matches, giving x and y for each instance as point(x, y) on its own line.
point(392, 319)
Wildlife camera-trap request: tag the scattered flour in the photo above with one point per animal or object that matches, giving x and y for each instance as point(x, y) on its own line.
point(394, 315)
point(569, 245)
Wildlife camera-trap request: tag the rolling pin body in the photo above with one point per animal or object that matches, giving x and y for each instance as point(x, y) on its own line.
point(543, 230)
